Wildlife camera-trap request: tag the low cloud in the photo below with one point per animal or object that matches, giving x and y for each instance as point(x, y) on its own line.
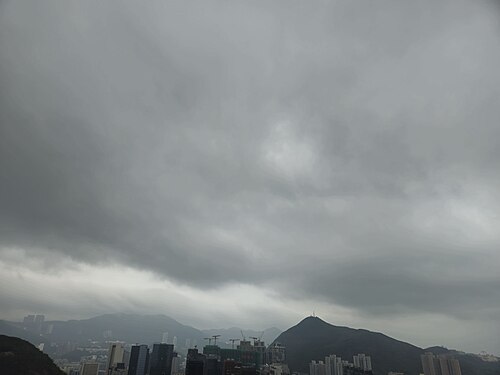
point(341, 154)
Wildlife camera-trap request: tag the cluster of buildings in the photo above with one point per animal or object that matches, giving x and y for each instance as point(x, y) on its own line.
point(34, 323)
point(362, 365)
point(248, 358)
point(161, 360)
point(440, 365)
point(334, 365)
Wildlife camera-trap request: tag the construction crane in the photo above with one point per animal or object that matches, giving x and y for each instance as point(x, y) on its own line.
point(242, 335)
point(215, 338)
point(209, 340)
point(232, 342)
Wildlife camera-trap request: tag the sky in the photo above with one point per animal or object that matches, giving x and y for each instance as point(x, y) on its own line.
point(247, 163)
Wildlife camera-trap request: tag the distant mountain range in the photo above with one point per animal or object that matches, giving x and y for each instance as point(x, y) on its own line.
point(130, 328)
point(313, 339)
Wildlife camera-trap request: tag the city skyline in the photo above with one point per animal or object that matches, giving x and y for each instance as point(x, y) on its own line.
point(246, 164)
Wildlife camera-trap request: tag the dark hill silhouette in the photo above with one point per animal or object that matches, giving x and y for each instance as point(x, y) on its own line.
point(314, 338)
point(20, 357)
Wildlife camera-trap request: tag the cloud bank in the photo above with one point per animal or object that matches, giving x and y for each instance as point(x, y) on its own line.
point(336, 154)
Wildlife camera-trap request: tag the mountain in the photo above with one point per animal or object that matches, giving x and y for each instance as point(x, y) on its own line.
point(130, 328)
point(20, 357)
point(268, 335)
point(314, 338)
point(16, 330)
point(311, 339)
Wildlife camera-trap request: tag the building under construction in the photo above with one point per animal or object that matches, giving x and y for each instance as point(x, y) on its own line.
point(249, 357)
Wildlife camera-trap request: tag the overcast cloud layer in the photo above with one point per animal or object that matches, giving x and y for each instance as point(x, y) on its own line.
point(253, 160)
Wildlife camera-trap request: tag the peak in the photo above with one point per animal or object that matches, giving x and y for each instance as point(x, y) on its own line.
point(312, 320)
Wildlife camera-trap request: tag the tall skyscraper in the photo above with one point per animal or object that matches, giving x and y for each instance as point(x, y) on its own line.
point(212, 366)
point(161, 359)
point(442, 365)
point(139, 360)
point(164, 338)
point(176, 363)
point(116, 354)
point(89, 369)
point(174, 341)
point(194, 362)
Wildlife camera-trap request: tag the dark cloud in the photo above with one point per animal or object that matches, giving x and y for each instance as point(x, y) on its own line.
point(343, 151)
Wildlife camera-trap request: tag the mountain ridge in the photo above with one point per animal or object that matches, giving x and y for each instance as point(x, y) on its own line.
point(313, 339)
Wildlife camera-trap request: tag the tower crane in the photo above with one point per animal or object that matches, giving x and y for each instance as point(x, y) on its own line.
point(232, 342)
point(209, 340)
point(215, 338)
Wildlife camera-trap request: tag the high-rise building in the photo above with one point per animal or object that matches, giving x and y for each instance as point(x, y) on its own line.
point(317, 368)
point(116, 355)
point(34, 322)
point(194, 362)
point(161, 359)
point(164, 338)
point(276, 353)
point(139, 360)
point(429, 362)
point(176, 364)
point(449, 366)
point(212, 366)
point(333, 365)
point(39, 319)
point(29, 320)
point(89, 369)
point(260, 347)
point(441, 365)
point(363, 362)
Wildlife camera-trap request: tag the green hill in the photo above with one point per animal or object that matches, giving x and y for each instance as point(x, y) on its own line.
point(20, 357)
